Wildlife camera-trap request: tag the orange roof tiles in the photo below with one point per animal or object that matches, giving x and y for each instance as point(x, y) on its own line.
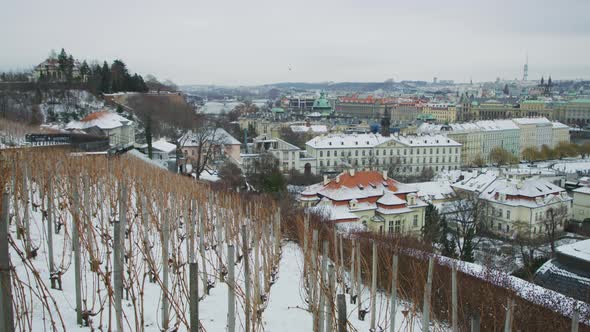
point(94, 116)
point(363, 178)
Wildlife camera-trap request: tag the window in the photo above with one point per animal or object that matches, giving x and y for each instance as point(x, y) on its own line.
point(500, 212)
point(390, 228)
point(398, 226)
point(508, 214)
point(321, 153)
point(328, 153)
point(415, 221)
point(363, 152)
point(499, 226)
point(356, 152)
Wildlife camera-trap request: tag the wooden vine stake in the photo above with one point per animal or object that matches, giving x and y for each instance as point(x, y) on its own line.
point(231, 284)
point(393, 304)
point(6, 313)
point(427, 296)
point(194, 296)
point(76, 248)
point(374, 286)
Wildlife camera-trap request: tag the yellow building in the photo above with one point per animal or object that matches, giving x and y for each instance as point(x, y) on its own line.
point(443, 112)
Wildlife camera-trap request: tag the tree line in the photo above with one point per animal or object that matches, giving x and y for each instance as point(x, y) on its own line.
point(105, 78)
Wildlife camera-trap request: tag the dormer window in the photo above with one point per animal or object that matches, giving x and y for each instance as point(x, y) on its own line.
point(361, 187)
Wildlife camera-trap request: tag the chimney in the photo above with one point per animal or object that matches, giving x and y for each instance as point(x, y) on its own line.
point(326, 181)
point(338, 178)
point(351, 171)
point(385, 175)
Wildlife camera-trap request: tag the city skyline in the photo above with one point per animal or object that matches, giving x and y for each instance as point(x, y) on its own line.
point(261, 42)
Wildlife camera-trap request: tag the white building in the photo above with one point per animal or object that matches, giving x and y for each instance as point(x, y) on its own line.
point(581, 204)
point(517, 204)
point(481, 137)
point(286, 153)
point(535, 132)
point(161, 150)
point(119, 130)
point(407, 155)
point(368, 200)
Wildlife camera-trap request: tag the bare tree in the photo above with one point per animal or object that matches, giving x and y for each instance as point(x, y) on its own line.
point(467, 217)
point(553, 222)
point(206, 142)
point(528, 245)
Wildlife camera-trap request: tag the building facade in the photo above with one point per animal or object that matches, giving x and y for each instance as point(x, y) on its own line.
point(404, 155)
point(367, 200)
point(119, 130)
point(581, 204)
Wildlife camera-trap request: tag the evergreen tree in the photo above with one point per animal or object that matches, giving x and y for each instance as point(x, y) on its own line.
point(468, 250)
point(70, 68)
point(431, 232)
point(62, 60)
point(105, 86)
point(120, 78)
point(448, 246)
point(84, 71)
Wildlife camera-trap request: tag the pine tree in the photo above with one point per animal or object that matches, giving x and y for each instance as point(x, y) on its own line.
point(448, 246)
point(468, 254)
point(84, 71)
point(70, 68)
point(105, 85)
point(431, 232)
point(62, 60)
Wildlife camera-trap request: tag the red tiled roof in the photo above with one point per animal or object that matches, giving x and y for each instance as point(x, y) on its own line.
point(94, 116)
point(364, 178)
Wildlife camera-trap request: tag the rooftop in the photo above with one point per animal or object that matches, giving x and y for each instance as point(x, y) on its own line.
point(102, 120)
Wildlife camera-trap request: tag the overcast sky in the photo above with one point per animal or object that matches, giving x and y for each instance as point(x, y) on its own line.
point(258, 41)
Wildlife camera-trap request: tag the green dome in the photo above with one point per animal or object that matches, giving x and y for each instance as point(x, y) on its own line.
point(277, 110)
point(322, 104)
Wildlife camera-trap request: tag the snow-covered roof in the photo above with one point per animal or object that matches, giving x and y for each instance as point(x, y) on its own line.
point(389, 198)
point(347, 141)
point(557, 124)
point(365, 188)
point(582, 190)
point(528, 121)
point(434, 190)
point(102, 120)
point(477, 183)
point(426, 140)
point(162, 145)
point(531, 192)
point(492, 125)
point(312, 128)
point(371, 140)
point(217, 135)
point(579, 250)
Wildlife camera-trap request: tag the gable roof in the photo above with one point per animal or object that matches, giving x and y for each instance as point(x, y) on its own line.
point(102, 120)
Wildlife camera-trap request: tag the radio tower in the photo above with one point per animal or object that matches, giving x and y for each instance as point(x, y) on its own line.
point(525, 71)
